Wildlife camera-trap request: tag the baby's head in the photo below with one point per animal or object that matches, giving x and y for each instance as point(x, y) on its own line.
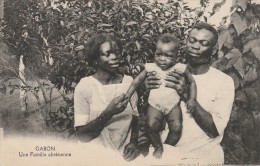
point(167, 49)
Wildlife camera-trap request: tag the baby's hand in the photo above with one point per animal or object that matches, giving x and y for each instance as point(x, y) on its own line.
point(191, 105)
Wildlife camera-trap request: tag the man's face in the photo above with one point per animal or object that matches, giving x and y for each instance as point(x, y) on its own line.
point(165, 54)
point(200, 46)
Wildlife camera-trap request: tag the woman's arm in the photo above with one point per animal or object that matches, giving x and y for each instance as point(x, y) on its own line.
point(92, 129)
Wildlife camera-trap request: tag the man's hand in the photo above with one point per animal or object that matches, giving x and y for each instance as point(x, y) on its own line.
point(177, 81)
point(152, 81)
point(131, 151)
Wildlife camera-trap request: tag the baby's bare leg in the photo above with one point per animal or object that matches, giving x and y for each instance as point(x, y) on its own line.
point(174, 120)
point(154, 120)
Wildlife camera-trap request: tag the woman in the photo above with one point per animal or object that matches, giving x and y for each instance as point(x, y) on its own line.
point(102, 111)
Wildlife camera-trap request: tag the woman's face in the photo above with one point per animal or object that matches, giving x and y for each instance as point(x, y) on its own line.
point(109, 57)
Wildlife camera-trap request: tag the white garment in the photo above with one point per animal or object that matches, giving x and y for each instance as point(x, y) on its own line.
point(215, 93)
point(90, 100)
point(163, 99)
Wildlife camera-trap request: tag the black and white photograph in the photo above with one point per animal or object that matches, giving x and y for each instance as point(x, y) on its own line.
point(129, 82)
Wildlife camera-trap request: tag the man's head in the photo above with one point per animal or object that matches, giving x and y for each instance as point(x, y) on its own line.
point(167, 49)
point(201, 44)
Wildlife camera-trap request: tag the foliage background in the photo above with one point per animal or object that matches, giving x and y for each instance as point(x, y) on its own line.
point(51, 35)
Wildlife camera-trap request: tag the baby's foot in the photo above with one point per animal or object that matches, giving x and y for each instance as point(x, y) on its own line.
point(158, 153)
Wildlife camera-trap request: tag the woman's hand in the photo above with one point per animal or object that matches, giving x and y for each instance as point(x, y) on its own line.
point(177, 81)
point(131, 151)
point(117, 105)
point(152, 81)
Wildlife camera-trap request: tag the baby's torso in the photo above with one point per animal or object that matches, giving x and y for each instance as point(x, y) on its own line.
point(163, 98)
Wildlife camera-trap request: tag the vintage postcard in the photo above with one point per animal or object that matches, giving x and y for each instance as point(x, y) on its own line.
point(129, 82)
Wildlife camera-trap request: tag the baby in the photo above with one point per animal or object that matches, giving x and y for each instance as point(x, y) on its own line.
point(165, 102)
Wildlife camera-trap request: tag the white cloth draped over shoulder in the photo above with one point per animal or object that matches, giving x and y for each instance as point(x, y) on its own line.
point(90, 100)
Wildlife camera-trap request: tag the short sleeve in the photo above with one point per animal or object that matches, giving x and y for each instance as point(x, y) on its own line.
point(179, 66)
point(82, 97)
point(149, 67)
point(222, 107)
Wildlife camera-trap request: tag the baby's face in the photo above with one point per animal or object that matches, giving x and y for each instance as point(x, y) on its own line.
point(165, 55)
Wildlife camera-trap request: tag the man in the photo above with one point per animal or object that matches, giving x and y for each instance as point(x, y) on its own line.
point(203, 128)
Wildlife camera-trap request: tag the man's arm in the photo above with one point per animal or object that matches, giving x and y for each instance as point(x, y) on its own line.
point(218, 116)
point(204, 120)
point(212, 122)
point(191, 103)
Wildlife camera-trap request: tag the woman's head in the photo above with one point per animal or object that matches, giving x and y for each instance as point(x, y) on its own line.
point(105, 49)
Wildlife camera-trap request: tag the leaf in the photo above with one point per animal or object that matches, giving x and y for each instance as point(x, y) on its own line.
point(7, 79)
point(11, 91)
point(224, 37)
point(131, 23)
point(71, 23)
point(78, 48)
point(240, 96)
point(104, 25)
point(138, 45)
point(252, 95)
point(239, 23)
point(220, 63)
point(232, 56)
point(155, 10)
point(147, 35)
point(241, 3)
point(144, 24)
point(3, 89)
point(90, 19)
point(139, 8)
point(235, 79)
point(251, 75)
point(239, 66)
point(80, 34)
point(254, 46)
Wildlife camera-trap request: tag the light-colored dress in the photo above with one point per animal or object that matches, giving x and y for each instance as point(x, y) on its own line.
point(90, 100)
point(163, 99)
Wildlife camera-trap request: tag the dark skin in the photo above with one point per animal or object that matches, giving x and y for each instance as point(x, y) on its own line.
point(174, 121)
point(165, 56)
point(106, 74)
point(200, 48)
